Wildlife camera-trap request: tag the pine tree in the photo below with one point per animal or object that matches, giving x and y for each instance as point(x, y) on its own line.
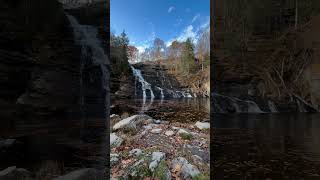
point(188, 58)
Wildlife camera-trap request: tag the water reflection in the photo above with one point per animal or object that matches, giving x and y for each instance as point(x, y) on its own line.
point(280, 133)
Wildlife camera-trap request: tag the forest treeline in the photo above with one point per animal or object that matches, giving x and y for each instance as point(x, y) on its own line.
point(261, 41)
point(181, 58)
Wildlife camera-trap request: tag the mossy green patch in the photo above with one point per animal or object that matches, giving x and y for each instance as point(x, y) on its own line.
point(161, 172)
point(185, 136)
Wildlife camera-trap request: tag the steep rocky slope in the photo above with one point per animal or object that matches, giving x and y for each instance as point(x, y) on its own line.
point(39, 69)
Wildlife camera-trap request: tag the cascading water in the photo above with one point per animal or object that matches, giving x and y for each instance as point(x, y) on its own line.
point(161, 91)
point(272, 107)
point(144, 84)
point(301, 107)
point(239, 105)
point(91, 52)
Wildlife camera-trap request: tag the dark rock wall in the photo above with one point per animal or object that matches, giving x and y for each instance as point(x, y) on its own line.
point(39, 72)
point(40, 63)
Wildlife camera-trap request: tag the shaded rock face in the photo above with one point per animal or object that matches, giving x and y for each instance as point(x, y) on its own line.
point(39, 69)
point(40, 63)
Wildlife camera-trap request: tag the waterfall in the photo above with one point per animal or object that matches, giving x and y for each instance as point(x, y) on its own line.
point(240, 105)
point(91, 52)
point(301, 107)
point(144, 84)
point(272, 107)
point(161, 91)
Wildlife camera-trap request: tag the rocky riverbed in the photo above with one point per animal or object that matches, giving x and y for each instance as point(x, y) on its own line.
point(147, 148)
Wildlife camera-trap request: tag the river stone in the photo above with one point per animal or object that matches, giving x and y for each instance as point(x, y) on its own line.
point(157, 122)
point(131, 122)
point(135, 152)
point(182, 131)
point(156, 158)
point(150, 126)
point(114, 159)
point(84, 174)
point(202, 125)
point(156, 131)
point(175, 128)
point(187, 170)
point(169, 133)
point(197, 159)
point(115, 141)
point(13, 173)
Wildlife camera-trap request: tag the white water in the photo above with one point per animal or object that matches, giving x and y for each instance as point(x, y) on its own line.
point(252, 106)
point(161, 91)
point(272, 107)
point(144, 84)
point(301, 107)
point(91, 51)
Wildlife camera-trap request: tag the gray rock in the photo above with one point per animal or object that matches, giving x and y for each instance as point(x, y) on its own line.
point(156, 158)
point(115, 141)
point(148, 121)
point(131, 122)
point(202, 125)
point(175, 128)
point(7, 143)
point(114, 159)
point(150, 126)
point(84, 174)
point(157, 122)
point(169, 133)
point(182, 131)
point(197, 159)
point(13, 173)
point(135, 152)
point(156, 131)
point(187, 170)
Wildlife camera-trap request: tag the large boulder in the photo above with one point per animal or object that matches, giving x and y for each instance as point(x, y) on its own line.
point(14, 173)
point(202, 125)
point(115, 141)
point(131, 123)
point(156, 158)
point(187, 170)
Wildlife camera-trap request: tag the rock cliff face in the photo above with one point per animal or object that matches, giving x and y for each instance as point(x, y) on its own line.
point(39, 72)
point(54, 86)
point(40, 64)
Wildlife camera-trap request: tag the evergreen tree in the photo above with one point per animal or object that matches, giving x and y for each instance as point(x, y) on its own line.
point(188, 58)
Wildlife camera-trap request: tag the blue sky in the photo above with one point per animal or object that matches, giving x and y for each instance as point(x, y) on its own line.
point(144, 20)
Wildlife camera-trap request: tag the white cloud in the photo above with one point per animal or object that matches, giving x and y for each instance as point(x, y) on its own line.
point(187, 33)
point(168, 43)
point(195, 18)
point(142, 48)
point(206, 23)
point(171, 8)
